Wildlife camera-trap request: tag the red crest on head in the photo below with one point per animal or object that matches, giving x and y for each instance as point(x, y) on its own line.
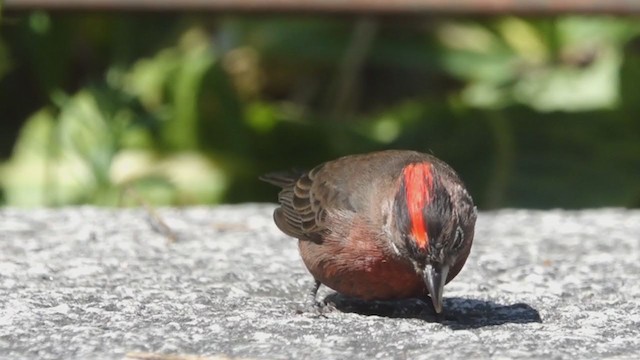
point(418, 181)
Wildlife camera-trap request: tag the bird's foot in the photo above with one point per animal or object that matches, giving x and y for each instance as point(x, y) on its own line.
point(313, 307)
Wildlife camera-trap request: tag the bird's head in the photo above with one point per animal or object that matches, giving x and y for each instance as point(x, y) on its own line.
point(433, 220)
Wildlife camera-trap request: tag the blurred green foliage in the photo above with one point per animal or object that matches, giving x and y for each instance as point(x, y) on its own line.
point(185, 110)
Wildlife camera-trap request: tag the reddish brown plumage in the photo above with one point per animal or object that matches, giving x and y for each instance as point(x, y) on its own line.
point(352, 264)
point(386, 225)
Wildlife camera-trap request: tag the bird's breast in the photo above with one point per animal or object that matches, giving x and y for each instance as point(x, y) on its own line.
point(360, 265)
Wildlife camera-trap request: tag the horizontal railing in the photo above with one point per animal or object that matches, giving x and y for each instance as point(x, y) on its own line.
point(523, 7)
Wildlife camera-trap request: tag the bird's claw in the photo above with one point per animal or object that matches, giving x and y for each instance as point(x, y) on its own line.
point(316, 309)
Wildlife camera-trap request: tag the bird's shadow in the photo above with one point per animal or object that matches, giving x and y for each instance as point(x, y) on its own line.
point(459, 313)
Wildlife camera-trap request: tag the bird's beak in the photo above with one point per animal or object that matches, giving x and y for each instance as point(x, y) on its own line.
point(435, 276)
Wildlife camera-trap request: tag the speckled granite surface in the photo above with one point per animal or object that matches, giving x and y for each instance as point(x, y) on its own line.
point(87, 283)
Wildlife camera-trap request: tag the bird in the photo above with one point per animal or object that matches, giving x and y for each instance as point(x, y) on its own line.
point(385, 225)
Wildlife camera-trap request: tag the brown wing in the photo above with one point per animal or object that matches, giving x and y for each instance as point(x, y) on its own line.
point(303, 202)
point(339, 187)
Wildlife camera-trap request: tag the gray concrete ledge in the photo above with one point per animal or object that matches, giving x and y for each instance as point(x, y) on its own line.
point(87, 283)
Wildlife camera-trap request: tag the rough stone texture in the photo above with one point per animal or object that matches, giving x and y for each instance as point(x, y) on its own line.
point(87, 283)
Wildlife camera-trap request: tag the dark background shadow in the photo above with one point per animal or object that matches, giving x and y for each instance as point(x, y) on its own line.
point(459, 313)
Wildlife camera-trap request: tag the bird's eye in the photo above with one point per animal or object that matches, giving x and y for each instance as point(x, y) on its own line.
point(459, 238)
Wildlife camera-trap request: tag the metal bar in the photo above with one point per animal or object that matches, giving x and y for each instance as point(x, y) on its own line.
point(621, 7)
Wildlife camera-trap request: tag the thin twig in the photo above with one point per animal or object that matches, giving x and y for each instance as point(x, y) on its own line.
point(155, 220)
point(350, 71)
